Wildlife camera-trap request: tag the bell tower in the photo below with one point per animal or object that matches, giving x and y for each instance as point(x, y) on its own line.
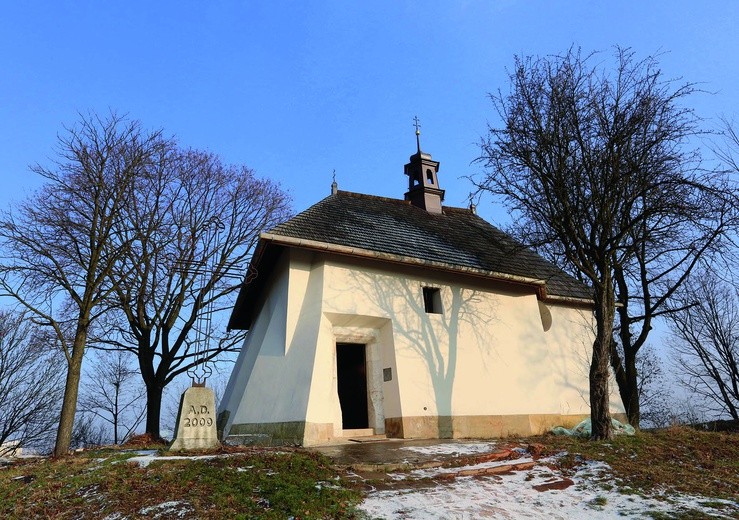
point(423, 182)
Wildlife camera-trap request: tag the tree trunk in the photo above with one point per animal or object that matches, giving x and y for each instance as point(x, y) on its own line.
point(600, 415)
point(115, 415)
point(627, 382)
point(71, 391)
point(154, 388)
point(630, 394)
point(626, 373)
point(153, 408)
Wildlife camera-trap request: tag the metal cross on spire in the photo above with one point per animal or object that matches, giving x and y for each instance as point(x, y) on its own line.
point(417, 124)
point(334, 186)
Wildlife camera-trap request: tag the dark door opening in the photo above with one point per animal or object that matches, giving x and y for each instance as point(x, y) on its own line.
point(351, 373)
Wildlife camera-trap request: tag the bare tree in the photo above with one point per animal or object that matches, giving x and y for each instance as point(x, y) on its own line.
point(194, 224)
point(110, 394)
point(728, 150)
point(655, 396)
point(706, 329)
point(30, 383)
point(594, 164)
point(59, 247)
point(670, 245)
point(88, 432)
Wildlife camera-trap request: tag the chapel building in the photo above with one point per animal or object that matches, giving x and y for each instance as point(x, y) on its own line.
point(404, 318)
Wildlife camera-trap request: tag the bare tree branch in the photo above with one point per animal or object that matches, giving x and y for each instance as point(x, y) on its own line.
point(59, 247)
point(111, 395)
point(706, 330)
point(193, 224)
point(595, 165)
point(30, 383)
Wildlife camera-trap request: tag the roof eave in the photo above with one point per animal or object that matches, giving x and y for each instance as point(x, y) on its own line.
point(267, 238)
point(395, 258)
point(570, 300)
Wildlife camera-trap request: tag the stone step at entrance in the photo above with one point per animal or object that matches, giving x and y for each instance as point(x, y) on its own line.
point(358, 432)
point(363, 435)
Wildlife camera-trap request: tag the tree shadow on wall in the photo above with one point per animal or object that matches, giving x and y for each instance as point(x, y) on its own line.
point(558, 357)
point(434, 337)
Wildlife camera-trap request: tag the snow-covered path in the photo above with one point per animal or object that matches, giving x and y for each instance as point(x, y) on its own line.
point(590, 493)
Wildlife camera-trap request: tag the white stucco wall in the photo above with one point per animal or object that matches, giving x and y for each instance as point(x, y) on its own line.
point(271, 379)
point(488, 353)
point(495, 349)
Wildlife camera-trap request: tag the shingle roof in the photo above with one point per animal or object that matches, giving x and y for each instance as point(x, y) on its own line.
point(457, 239)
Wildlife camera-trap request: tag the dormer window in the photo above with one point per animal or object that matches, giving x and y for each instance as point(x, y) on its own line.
point(432, 300)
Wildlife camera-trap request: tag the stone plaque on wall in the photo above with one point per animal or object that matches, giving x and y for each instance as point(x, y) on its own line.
point(196, 421)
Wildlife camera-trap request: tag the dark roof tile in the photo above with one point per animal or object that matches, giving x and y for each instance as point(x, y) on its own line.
point(457, 238)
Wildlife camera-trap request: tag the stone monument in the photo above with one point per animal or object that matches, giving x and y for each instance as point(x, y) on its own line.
point(196, 421)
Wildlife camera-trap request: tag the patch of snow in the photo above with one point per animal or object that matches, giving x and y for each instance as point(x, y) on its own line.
point(328, 485)
point(145, 452)
point(471, 448)
point(98, 463)
point(513, 496)
point(178, 508)
point(145, 460)
point(89, 493)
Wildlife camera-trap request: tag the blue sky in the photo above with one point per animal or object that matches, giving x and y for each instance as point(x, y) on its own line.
point(296, 90)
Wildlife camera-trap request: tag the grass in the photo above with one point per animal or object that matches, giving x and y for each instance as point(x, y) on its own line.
point(257, 484)
point(292, 483)
point(599, 501)
point(678, 459)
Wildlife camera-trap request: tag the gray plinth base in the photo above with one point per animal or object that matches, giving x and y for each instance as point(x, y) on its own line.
point(196, 421)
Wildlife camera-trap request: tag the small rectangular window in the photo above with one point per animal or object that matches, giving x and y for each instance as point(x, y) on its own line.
point(432, 300)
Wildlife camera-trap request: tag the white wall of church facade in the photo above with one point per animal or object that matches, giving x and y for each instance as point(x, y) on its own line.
point(271, 380)
point(493, 352)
